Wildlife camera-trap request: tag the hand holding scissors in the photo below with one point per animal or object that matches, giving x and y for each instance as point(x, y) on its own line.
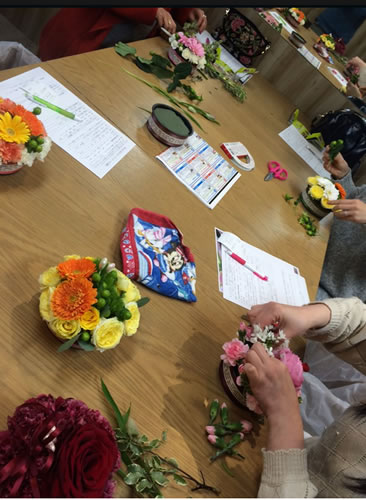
point(276, 171)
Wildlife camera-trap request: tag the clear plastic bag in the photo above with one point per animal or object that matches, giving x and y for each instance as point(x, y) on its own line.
point(14, 54)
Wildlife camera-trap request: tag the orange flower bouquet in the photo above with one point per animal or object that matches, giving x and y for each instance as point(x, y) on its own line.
point(88, 303)
point(23, 138)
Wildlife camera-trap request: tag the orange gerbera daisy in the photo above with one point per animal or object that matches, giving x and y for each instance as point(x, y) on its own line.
point(76, 268)
point(341, 190)
point(72, 298)
point(36, 126)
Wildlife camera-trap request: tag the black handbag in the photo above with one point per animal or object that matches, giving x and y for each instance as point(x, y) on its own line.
point(347, 125)
point(241, 37)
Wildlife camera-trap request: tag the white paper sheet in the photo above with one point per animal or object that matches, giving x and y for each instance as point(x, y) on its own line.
point(338, 76)
point(201, 169)
point(309, 57)
point(242, 287)
point(91, 140)
point(281, 20)
point(309, 153)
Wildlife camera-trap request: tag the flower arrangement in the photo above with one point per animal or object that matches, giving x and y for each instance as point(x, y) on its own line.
point(56, 447)
point(297, 15)
point(322, 190)
point(232, 368)
point(189, 48)
point(327, 40)
point(88, 303)
point(23, 138)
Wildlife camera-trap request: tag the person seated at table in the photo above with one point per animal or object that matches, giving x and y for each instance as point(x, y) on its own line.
point(357, 89)
point(344, 269)
point(77, 30)
point(332, 465)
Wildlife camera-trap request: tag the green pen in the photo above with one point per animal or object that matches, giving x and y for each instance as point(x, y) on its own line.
point(49, 105)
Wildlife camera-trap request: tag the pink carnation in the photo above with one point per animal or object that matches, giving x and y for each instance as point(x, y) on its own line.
point(10, 153)
point(253, 404)
point(234, 351)
point(294, 365)
point(192, 44)
point(212, 438)
point(246, 425)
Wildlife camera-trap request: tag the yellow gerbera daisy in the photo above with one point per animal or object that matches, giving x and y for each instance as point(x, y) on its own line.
point(324, 203)
point(13, 129)
point(316, 192)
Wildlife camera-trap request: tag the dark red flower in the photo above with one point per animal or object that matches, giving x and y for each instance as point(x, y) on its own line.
point(305, 367)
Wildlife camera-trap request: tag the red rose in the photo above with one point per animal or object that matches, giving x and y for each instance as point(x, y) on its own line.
point(84, 463)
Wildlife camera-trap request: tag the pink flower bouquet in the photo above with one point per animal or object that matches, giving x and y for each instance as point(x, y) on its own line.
point(234, 378)
point(189, 48)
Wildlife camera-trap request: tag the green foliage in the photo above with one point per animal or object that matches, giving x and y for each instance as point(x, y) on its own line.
point(141, 302)
point(144, 470)
point(124, 50)
point(86, 346)
point(68, 344)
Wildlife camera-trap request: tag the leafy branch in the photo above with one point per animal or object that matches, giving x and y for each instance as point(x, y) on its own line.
point(145, 470)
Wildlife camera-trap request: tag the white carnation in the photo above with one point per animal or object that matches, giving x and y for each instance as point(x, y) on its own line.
point(186, 54)
point(27, 158)
point(331, 193)
point(195, 59)
point(174, 44)
point(323, 182)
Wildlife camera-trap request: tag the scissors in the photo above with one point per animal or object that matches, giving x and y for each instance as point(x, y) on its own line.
point(276, 171)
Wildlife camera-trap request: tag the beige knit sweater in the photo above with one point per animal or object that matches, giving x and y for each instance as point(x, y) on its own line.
point(322, 469)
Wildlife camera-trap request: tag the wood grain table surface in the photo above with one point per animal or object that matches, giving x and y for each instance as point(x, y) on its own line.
point(59, 207)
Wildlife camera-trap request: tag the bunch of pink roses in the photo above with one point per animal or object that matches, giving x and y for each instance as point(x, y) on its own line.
point(274, 341)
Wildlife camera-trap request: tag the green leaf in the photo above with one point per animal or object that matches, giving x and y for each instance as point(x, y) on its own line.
point(159, 478)
point(123, 49)
point(143, 66)
point(173, 462)
point(163, 436)
point(155, 443)
point(159, 60)
point(135, 449)
point(132, 478)
point(142, 485)
point(131, 427)
point(121, 419)
point(161, 73)
point(179, 480)
point(68, 344)
point(156, 462)
point(141, 302)
point(136, 468)
point(86, 346)
point(182, 70)
point(144, 438)
point(172, 85)
point(143, 60)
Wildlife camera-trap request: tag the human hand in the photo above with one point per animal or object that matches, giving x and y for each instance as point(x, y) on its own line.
point(350, 210)
point(293, 320)
point(199, 16)
point(353, 90)
point(356, 61)
point(165, 20)
point(338, 168)
point(274, 390)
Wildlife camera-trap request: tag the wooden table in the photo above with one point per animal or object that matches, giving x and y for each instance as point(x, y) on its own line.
point(170, 366)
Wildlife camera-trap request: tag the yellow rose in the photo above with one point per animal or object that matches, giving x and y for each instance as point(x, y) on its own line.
point(45, 304)
point(65, 330)
point(316, 192)
point(122, 281)
point(51, 277)
point(68, 257)
point(90, 319)
point(132, 294)
point(324, 203)
point(132, 324)
point(312, 181)
point(328, 43)
point(107, 334)
point(90, 258)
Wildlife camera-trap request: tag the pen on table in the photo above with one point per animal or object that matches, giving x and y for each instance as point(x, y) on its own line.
point(49, 105)
point(244, 263)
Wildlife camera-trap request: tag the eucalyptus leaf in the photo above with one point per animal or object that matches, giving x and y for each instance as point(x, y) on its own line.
point(173, 462)
point(156, 461)
point(135, 449)
point(132, 478)
point(86, 346)
point(65, 346)
point(155, 443)
point(141, 302)
point(123, 49)
point(136, 468)
point(179, 480)
point(159, 478)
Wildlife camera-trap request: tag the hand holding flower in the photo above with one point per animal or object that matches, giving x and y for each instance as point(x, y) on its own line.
point(338, 168)
point(350, 210)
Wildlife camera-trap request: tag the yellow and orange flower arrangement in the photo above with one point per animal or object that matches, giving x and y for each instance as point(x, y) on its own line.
point(88, 303)
point(23, 138)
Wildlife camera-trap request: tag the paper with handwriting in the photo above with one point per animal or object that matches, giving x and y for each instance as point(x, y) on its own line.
point(91, 140)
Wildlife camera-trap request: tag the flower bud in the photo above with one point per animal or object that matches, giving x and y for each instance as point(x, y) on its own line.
point(216, 441)
point(246, 425)
point(103, 262)
point(224, 414)
point(210, 429)
point(110, 267)
point(214, 408)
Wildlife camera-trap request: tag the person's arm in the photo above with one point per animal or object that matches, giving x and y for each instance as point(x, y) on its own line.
point(185, 14)
point(285, 471)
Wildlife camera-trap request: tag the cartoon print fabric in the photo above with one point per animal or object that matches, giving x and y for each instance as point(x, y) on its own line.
point(153, 254)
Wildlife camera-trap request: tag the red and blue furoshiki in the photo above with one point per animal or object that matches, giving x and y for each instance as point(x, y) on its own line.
point(153, 253)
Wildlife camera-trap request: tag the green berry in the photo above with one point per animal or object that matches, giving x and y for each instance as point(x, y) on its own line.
point(40, 139)
point(96, 277)
point(33, 144)
point(127, 314)
point(105, 293)
point(106, 312)
point(104, 285)
point(39, 148)
point(308, 226)
point(37, 111)
point(101, 303)
point(310, 233)
point(85, 336)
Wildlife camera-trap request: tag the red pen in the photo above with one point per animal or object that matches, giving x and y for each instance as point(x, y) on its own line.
point(244, 263)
